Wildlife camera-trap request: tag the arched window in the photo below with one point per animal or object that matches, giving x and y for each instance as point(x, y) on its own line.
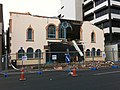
point(87, 52)
point(21, 53)
point(30, 34)
point(30, 53)
point(98, 52)
point(38, 54)
point(93, 37)
point(61, 32)
point(93, 52)
point(68, 32)
point(65, 29)
point(51, 31)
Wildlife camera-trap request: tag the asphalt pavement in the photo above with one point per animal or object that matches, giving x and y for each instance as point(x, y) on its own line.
point(101, 79)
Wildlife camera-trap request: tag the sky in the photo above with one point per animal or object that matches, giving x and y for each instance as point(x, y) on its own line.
point(35, 7)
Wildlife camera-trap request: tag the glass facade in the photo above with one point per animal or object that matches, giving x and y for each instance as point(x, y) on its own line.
point(98, 2)
point(97, 15)
point(101, 12)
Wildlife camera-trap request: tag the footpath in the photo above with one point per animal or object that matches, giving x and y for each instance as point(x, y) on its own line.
point(61, 67)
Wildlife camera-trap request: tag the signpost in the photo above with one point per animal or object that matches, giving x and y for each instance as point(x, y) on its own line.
point(54, 57)
point(24, 58)
point(103, 55)
point(67, 58)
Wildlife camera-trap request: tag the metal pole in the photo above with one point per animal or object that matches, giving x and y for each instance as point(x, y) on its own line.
point(93, 58)
point(49, 57)
point(113, 53)
point(22, 65)
point(67, 52)
point(39, 58)
point(6, 64)
point(38, 62)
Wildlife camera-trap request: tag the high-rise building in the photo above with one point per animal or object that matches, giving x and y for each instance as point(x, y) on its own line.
point(1, 35)
point(71, 9)
point(106, 15)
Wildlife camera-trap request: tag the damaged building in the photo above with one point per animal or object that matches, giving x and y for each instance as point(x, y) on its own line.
point(50, 38)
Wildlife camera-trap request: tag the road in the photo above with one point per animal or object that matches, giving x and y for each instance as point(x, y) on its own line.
point(101, 79)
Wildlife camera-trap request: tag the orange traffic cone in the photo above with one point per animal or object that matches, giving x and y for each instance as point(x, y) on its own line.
point(74, 72)
point(22, 75)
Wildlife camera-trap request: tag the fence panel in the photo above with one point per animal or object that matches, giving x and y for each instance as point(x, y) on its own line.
point(54, 59)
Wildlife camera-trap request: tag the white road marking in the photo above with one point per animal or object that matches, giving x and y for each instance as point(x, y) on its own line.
point(106, 73)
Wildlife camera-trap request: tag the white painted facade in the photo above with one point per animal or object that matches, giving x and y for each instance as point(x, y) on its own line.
point(18, 26)
point(20, 22)
point(71, 9)
point(87, 29)
point(23, 22)
point(36, 23)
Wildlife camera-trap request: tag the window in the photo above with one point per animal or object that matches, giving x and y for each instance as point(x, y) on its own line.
point(101, 12)
point(115, 9)
point(87, 52)
point(65, 30)
point(21, 53)
point(89, 17)
point(30, 34)
point(103, 25)
point(38, 54)
point(117, 0)
point(97, 2)
point(116, 23)
point(30, 53)
point(93, 52)
point(98, 52)
point(61, 32)
point(93, 37)
point(88, 6)
point(51, 31)
point(68, 32)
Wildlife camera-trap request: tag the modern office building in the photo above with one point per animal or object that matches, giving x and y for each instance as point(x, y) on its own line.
point(106, 15)
point(71, 9)
point(2, 48)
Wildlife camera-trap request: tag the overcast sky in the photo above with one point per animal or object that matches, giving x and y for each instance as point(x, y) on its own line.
point(35, 7)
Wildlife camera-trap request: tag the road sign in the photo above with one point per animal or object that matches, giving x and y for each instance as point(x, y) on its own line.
point(54, 57)
point(24, 58)
point(67, 58)
point(103, 55)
